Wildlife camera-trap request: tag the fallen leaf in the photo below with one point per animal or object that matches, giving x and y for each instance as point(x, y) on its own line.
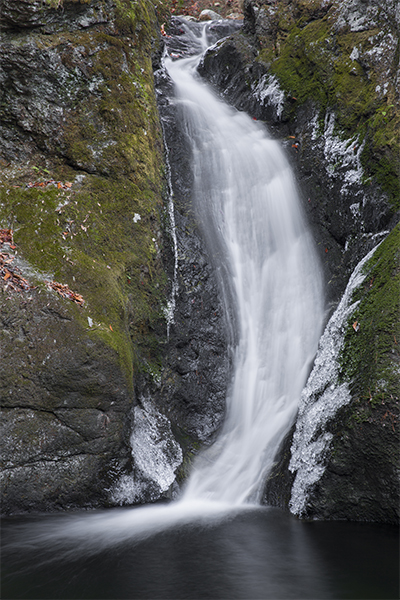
point(12, 275)
point(65, 292)
point(6, 236)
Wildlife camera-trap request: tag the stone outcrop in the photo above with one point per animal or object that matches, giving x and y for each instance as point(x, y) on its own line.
point(109, 314)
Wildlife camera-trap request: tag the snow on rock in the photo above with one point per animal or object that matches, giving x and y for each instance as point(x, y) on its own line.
point(342, 154)
point(154, 449)
point(268, 91)
point(156, 455)
point(320, 400)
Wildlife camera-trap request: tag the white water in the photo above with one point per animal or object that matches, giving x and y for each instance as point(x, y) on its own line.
point(248, 207)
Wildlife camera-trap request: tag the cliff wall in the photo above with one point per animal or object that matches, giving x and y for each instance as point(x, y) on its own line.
point(80, 211)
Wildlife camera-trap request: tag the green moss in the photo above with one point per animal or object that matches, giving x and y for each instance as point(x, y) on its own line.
point(312, 61)
point(93, 244)
point(136, 18)
point(116, 132)
point(112, 134)
point(370, 357)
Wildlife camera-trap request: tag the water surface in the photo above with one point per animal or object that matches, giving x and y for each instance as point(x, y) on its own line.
point(256, 554)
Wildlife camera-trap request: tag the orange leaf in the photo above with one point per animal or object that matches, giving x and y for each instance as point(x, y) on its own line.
point(6, 236)
point(68, 184)
point(7, 276)
point(111, 328)
point(59, 185)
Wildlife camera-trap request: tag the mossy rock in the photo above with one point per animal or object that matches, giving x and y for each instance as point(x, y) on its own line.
point(370, 357)
point(81, 186)
point(316, 54)
point(361, 477)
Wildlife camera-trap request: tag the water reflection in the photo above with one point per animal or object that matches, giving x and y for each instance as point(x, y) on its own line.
point(256, 554)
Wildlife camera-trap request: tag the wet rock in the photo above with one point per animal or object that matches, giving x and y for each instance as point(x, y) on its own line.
point(64, 409)
point(197, 366)
point(52, 16)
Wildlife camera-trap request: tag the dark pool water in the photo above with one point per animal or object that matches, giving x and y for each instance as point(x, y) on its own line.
point(261, 554)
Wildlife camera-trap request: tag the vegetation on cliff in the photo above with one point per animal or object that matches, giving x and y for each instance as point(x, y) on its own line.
point(345, 59)
point(371, 345)
point(108, 144)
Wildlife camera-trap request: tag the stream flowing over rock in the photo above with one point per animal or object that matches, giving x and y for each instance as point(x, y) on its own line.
point(115, 351)
point(324, 77)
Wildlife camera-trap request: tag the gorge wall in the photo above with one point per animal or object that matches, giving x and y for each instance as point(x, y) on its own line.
point(81, 163)
point(133, 352)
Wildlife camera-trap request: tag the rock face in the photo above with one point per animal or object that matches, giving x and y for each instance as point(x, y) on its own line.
point(349, 408)
point(324, 77)
point(81, 189)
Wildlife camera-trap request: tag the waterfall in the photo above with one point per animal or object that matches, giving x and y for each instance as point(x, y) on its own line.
point(248, 209)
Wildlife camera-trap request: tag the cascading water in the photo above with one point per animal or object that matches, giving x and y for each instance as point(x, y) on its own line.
point(247, 205)
point(248, 210)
